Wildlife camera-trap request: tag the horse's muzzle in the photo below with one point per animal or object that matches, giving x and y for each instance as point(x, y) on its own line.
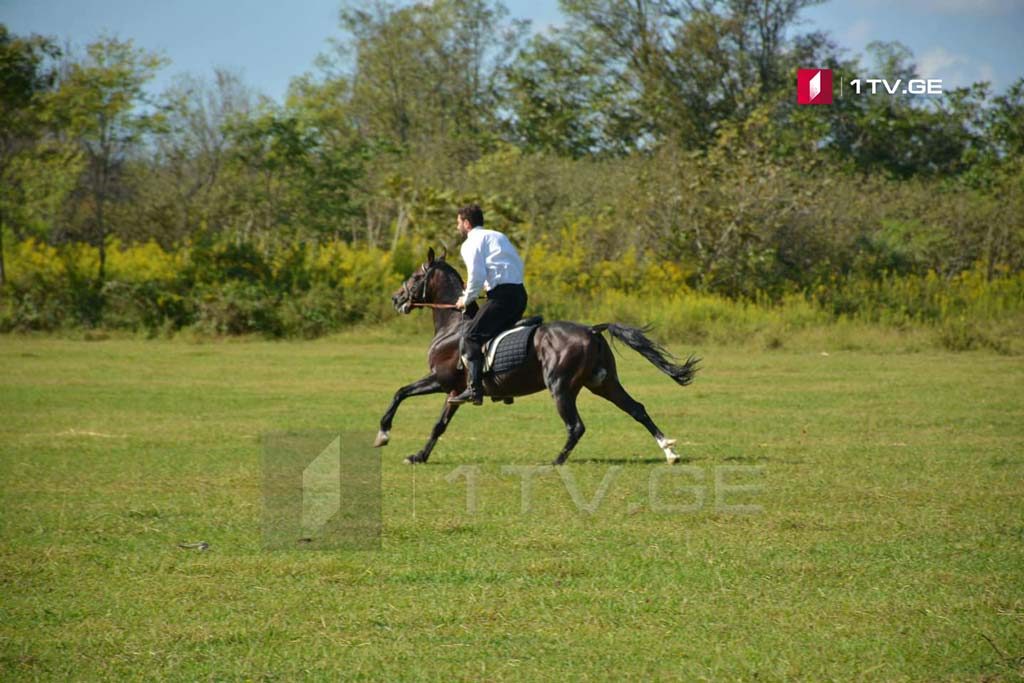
point(401, 304)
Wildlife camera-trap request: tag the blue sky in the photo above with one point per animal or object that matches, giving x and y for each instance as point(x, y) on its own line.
point(269, 41)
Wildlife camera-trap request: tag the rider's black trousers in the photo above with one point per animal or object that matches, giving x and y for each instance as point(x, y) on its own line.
point(504, 307)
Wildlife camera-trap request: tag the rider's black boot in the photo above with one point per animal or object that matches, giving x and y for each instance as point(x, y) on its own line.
point(474, 393)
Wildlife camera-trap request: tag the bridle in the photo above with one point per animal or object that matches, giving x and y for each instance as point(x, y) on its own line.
point(426, 270)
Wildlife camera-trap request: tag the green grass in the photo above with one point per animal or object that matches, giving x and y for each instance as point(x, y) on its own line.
point(889, 546)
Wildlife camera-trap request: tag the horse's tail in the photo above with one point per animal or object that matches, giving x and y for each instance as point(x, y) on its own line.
point(652, 351)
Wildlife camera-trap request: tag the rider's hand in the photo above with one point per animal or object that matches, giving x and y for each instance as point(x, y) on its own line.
point(461, 303)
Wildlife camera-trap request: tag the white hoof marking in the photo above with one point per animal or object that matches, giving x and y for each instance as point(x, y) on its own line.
point(666, 446)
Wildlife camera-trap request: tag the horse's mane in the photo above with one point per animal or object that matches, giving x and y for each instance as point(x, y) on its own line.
point(448, 268)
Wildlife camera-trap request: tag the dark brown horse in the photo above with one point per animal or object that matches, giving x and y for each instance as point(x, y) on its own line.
point(564, 358)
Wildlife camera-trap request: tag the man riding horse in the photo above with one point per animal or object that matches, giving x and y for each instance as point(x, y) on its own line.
point(562, 357)
point(492, 263)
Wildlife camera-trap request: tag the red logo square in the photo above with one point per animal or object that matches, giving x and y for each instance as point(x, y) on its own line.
point(814, 86)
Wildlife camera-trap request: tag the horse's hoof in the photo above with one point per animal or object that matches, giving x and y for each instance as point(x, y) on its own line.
point(666, 447)
point(414, 459)
point(382, 439)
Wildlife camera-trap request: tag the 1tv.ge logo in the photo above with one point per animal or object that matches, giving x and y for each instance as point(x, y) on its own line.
point(814, 86)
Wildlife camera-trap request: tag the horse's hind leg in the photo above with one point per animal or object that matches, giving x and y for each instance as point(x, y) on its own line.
point(442, 424)
point(565, 402)
point(611, 389)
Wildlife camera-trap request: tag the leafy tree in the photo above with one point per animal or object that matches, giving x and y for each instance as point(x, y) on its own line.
point(101, 103)
point(1005, 122)
point(560, 103)
point(303, 182)
point(426, 71)
point(903, 136)
point(627, 43)
point(25, 78)
point(183, 185)
point(634, 74)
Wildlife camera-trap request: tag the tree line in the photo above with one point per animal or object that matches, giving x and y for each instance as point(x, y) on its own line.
point(666, 129)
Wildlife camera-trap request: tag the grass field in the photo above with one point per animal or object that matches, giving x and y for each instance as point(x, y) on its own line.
point(888, 544)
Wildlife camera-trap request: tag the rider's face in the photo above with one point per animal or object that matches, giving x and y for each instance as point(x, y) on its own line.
point(463, 225)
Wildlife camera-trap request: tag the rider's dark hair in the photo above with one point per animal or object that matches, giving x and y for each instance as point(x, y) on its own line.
point(472, 213)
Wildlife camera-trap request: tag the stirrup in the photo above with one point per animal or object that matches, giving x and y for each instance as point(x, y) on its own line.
point(468, 396)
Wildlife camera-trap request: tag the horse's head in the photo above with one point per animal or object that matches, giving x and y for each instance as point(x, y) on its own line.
point(424, 285)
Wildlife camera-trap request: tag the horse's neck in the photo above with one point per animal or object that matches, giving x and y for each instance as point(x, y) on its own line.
point(446, 320)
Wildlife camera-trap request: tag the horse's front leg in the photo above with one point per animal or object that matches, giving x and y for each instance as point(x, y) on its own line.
point(442, 424)
point(421, 387)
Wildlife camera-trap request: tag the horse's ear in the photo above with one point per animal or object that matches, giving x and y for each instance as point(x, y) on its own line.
point(430, 255)
point(444, 251)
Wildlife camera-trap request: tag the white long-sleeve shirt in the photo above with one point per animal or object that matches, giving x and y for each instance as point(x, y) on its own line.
point(491, 260)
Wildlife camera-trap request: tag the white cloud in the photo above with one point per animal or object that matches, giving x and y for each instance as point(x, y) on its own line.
point(954, 69)
point(973, 7)
point(936, 60)
point(857, 34)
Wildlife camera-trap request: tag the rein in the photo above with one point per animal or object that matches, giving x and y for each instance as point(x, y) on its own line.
point(426, 270)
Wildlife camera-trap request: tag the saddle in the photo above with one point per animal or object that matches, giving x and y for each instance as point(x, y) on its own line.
point(509, 349)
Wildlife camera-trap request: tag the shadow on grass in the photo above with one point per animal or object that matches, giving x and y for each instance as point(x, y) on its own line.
point(761, 458)
point(624, 461)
